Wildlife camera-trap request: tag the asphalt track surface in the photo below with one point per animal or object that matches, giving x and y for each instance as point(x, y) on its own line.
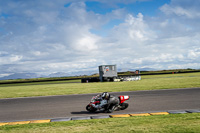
point(16, 109)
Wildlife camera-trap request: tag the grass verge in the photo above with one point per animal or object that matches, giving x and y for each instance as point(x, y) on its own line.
point(163, 123)
point(151, 82)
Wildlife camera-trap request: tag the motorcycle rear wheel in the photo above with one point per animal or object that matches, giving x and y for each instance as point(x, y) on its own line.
point(124, 106)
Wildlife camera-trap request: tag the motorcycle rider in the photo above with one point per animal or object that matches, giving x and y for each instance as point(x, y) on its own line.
point(107, 101)
point(102, 100)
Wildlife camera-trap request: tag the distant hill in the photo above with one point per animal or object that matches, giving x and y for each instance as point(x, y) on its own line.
point(20, 76)
point(34, 75)
point(58, 74)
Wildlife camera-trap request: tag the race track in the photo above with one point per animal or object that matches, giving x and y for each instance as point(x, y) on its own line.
point(16, 109)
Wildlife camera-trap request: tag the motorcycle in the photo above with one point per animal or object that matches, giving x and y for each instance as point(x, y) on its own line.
point(95, 100)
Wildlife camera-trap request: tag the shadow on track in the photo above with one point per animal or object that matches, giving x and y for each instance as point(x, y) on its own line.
point(86, 112)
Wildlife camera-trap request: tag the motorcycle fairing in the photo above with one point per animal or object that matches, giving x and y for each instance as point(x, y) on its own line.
point(123, 98)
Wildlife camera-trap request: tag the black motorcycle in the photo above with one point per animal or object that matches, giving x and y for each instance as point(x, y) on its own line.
point(121, 106)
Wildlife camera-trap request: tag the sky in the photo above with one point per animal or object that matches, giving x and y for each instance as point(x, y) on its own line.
point(48, 36)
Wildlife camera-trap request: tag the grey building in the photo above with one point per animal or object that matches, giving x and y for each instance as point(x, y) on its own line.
point(107, 72)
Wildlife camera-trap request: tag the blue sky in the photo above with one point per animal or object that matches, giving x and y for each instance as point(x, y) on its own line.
point(48, 36)
point(149, 7)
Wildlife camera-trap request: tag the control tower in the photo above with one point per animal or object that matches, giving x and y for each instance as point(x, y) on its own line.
point(107, 72)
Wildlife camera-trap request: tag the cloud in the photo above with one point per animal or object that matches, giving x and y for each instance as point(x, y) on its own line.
point(194, 53)
point(184, 8)
point(180, 11)
point(134, 28)
point(45, 37)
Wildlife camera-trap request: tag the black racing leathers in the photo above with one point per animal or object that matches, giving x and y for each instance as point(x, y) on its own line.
point(112, 103)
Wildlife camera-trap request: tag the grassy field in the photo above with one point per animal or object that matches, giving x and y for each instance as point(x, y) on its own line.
point(166, 123)
point(182, 123)
point(150, 82)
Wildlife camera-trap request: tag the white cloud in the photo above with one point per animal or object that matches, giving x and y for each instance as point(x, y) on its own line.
point(47, 37)
point(86, 44)
point(183, 11)
point(11, 59)
point(194, 53)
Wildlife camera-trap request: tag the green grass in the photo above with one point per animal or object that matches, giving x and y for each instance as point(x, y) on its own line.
point(38, 79)
point(41, 83)
point(151, 82)
point(182, 123)
point(166, 123)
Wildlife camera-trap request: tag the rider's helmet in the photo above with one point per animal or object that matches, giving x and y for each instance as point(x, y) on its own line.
point(105, 95)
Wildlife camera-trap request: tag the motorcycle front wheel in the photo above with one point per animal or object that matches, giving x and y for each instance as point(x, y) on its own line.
point(90, 109)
